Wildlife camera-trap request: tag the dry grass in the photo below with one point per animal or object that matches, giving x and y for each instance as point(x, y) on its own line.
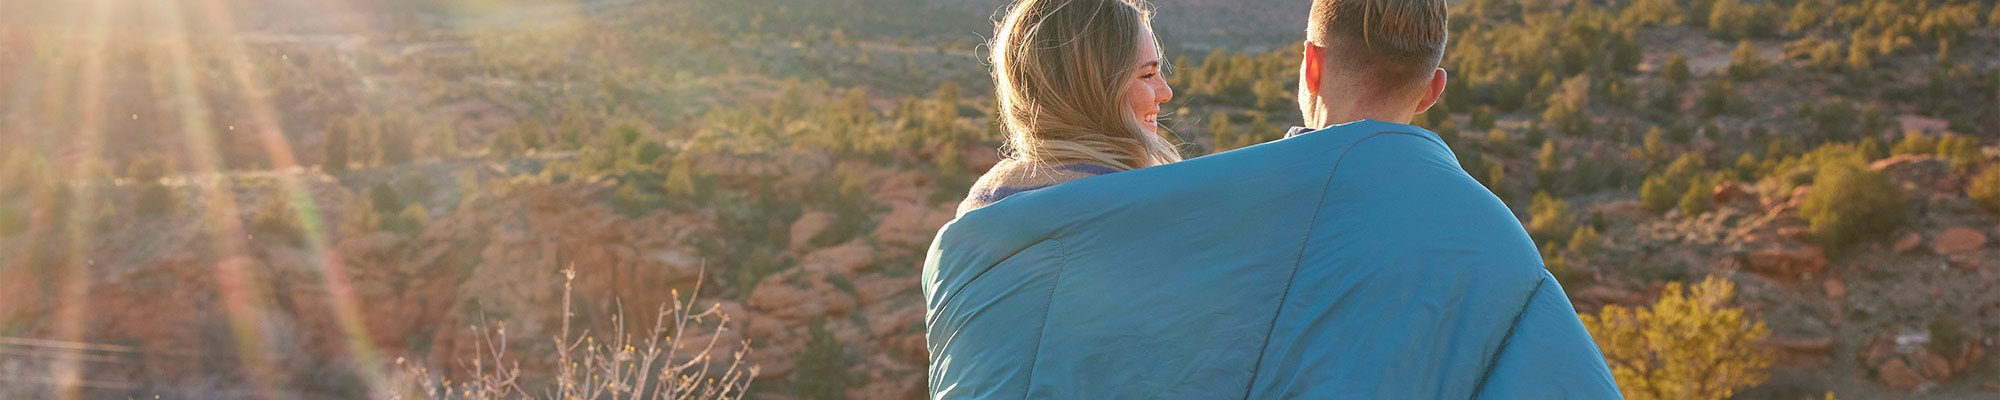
point(659, 367)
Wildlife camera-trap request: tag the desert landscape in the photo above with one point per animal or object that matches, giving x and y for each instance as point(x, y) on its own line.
point(493, 198)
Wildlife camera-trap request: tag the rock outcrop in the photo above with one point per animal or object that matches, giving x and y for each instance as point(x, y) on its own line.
point(1958, 240)
point(1786, 264)
point(1907, 360)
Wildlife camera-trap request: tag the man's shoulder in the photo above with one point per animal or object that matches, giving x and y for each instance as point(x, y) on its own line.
point(1297, 172)
point(1400, 186)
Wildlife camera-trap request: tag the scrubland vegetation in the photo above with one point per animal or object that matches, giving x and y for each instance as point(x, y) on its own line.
point(802, 151)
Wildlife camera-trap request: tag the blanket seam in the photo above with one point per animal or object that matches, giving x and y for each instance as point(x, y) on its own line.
point(1256, 367)
point(952, 294)
point(1480, 388)
point(1062, 262)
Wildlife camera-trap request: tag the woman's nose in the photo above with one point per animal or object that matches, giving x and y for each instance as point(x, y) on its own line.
point(1165, 93)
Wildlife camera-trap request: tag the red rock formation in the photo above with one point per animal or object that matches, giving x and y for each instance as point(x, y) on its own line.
point(1802, 352)
point(500, 257)
point(1731, 194)
point(1969, 261)
point(1910, 241)
point(910, 227)
point(1898, 375)
point(1910, 365)
point(808, 226)
point(1959, 239)
point(1786, 264)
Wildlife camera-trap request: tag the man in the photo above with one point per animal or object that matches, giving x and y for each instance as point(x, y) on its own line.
point(1353, 261)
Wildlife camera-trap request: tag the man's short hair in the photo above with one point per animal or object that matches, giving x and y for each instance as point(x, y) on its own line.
point(1397, 41)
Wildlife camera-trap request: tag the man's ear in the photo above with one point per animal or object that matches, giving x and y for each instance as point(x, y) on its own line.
point(1311, 66)
point(1432, 92)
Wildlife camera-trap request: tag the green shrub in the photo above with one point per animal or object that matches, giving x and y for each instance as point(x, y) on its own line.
point(1680, 133)
point(1653, 146)
point(1496, 181)
point(1667, 100)
point(1719, 97)
point(1850, 203)
point(23, 177)
point(1745, 63)
point(1784, 175)
point(1676, 71)
point(338, 135)
point(1871, 148)
point(1947, 336)
point(12, 221)
point(1669, 189)
point(629, 201)
point(1963, 151)
point(155, 198)
point(1550, 218)
point(1804, 15)
point(1985, 189)
point(1548, 167)
point(1656, 195)
point(1691, 344)
point(385, 199)
point(1696, 200)
point(1915, 143)
point(1567, 108)
point(648, 152)
point(277, 219)
point(1497, 141)
point(1482, 118)
point(822, 370)
point(1558, 266)
point(1544, 87)
point(1223, 133)
point(21, 173)
point(1746, 166)
point(409, 221)
point(357, 217)
point(680, 181)
point(1586, 241)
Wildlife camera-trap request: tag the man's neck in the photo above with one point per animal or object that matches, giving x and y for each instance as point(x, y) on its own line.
point(1330, 122)
point(1331, 115)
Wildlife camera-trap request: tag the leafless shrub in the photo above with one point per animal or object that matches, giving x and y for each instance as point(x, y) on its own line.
point(662, 366)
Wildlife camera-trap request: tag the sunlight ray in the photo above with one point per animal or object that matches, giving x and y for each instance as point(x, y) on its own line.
point(22, 86)
point(270, 133)
point(47, 108)
point(73, 299)
point(239, 286)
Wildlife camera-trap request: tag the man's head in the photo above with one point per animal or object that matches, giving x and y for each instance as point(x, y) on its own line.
point(1371, 59)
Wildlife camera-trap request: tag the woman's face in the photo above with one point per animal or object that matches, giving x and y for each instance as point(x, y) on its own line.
point(1145, 96)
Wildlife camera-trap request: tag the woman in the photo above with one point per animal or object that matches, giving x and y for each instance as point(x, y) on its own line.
point(1079, 84)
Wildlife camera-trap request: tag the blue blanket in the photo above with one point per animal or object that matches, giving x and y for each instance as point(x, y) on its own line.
point(1354, 262)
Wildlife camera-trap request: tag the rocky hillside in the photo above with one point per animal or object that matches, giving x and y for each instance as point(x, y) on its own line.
point(1889, 319)
point(295, 207)
point(158, 285)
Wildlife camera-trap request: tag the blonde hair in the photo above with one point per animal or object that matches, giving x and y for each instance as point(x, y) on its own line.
point(1396, 41)
point(1060, 71)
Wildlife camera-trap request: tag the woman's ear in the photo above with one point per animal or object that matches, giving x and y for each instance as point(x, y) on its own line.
point(1311, 67)
point(1433, 91)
